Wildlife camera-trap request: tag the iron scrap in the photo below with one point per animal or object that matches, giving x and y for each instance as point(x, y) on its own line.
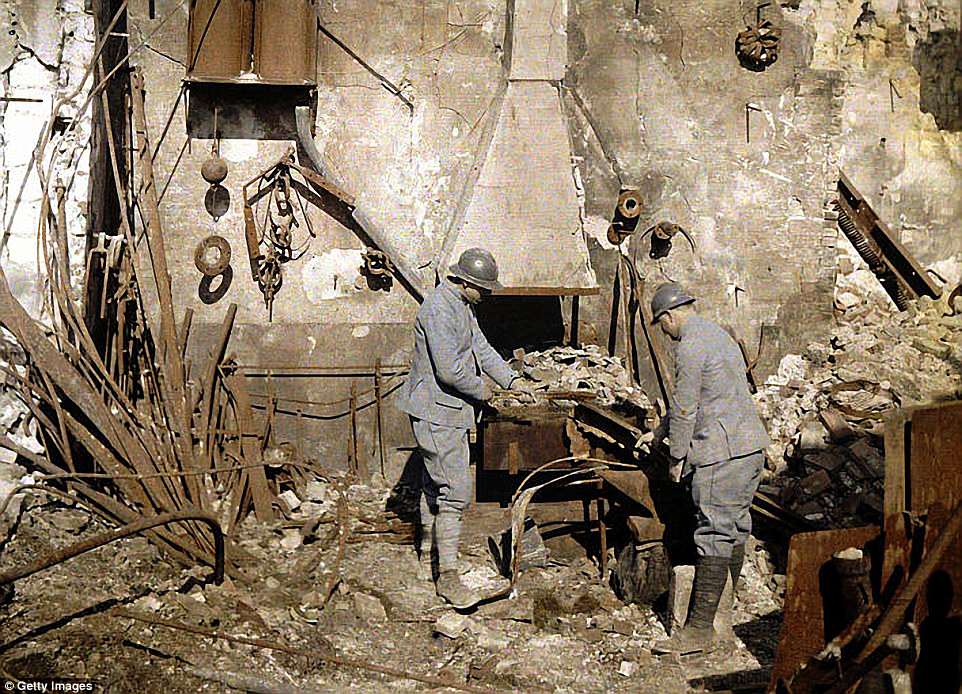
point(898, 271)
point(916, 548)
point(757, 46)
point(661, 236)
point(61, 555)
point(624, 221)
point(211, 267)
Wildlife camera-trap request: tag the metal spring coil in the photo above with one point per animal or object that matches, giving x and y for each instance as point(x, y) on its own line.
point(887, 279)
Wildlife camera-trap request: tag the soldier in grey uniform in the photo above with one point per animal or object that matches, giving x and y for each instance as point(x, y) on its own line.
point(440, 395)
point(716, 443)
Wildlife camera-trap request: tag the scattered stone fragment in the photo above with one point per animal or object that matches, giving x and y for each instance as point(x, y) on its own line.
point(492, 639)
point(933, 347)
point(847, 300)
point(627, 668)
point(369, 607)
point(451, 624)
point(290, 500)
point(839, 431)
point(811, 437)
point(292, 539)
point(586, 372)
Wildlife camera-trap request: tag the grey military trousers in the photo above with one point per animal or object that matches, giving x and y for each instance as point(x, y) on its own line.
point(723, 494)
point(446, 478)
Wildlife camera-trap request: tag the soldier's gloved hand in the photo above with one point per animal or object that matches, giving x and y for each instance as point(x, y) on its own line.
point(675, 466)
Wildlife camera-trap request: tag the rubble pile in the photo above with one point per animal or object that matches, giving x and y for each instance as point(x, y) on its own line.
point(579, 373)
point(825, 408)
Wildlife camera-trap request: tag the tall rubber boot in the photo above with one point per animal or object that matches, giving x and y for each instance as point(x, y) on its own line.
point(447, 534)
point(711, 575)
point(427, 521)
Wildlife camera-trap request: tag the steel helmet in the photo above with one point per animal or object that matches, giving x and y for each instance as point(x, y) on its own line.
point(668, 296)
point(478, 267)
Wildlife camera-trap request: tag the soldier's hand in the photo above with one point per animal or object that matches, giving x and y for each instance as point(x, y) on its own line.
point(520, 386)
point(486, 392)
point(675, 467)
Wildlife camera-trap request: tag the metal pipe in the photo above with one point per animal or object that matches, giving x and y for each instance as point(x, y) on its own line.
point(377, 237)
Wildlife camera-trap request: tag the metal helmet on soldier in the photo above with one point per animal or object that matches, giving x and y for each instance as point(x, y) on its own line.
point(478, 267)
point(668, 296)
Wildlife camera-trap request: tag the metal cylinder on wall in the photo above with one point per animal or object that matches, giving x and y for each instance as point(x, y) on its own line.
point(624, 220)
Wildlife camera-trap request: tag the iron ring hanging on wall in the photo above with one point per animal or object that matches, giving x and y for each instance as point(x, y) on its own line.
point(212, 296)
point(207, 267)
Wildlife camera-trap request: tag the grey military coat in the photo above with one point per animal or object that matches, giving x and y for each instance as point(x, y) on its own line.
point(712, 416)
point(450, 352)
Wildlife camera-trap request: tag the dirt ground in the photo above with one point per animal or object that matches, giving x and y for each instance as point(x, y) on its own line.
point(563, 629)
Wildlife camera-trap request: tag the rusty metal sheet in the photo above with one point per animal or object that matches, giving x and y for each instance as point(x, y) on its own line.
point(286, 42)
point(923, 457)
point(803, 628)
point(220, 39)
point(273, 41)
point(603, 418)
point(922, 444)
point(631, 483)
point(936, 449)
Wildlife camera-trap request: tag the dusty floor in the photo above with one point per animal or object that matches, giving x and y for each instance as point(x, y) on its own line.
point(563, 630)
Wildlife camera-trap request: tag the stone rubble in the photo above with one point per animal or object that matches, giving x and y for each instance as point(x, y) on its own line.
point(826, 408)
point(584, 372)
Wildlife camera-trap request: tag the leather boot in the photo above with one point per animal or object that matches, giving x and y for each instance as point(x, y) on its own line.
point(711, 575)
point(735, 565)
point(449, 587)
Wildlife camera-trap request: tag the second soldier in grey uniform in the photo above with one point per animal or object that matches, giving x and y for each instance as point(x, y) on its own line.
point(440, 395)
point(716, 443)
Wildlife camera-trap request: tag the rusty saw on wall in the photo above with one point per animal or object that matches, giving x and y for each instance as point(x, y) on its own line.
point(899, 273)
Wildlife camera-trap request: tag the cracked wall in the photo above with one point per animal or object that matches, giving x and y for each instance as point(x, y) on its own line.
point(658, 101)
point(654, 99)
point(901, 142)
point(45, 46)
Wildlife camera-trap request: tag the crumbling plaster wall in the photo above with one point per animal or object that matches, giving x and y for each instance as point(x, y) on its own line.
point(45, 46)
point(655, 100)
point(658, 100)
